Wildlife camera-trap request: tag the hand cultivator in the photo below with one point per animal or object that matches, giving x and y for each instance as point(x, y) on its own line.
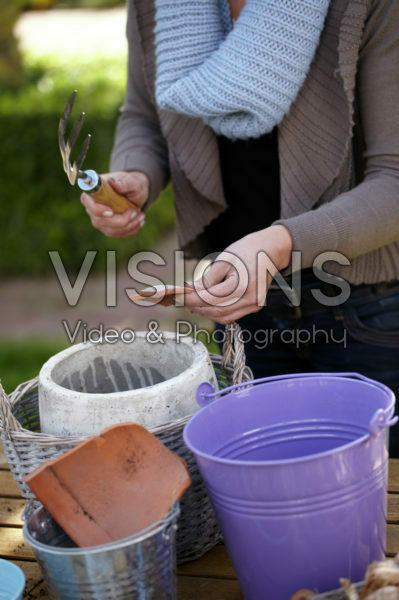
point(89, 181)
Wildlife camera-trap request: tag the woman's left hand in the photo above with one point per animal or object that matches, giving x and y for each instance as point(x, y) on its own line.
point(236, 283)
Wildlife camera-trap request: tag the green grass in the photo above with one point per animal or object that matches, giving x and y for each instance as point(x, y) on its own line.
point(21, 360)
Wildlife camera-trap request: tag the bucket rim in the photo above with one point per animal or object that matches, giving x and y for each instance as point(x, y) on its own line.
point(18, 575)
point(278, 462)
point(222, 395)
point(206, 394)
point(138, 537)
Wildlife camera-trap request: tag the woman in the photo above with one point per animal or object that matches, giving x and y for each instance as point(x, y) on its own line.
point(278, 124)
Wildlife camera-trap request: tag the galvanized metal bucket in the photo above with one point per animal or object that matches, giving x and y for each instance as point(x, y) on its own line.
point(139, 567)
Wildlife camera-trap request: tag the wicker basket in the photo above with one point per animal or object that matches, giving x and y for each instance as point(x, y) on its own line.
point(26, 448)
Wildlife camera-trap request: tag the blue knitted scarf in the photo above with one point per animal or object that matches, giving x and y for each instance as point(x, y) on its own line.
point(241, 81)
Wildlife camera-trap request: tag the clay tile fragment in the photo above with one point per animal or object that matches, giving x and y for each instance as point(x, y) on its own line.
point(110, 486)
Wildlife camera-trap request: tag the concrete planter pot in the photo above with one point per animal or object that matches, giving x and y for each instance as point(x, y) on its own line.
point(89, 387)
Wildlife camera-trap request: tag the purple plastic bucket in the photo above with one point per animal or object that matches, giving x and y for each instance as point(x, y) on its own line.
point(296, 468)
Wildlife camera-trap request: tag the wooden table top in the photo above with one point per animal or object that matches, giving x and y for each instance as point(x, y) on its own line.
point(210, 578)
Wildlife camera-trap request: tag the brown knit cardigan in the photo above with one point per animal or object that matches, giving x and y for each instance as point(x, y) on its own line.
point(338, 146)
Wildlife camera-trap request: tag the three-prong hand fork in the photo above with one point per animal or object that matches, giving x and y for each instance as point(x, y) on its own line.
point(89, 181)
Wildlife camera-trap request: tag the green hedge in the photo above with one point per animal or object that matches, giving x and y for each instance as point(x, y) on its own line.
point(21, 360)
point(40, 210)
point(46, 4)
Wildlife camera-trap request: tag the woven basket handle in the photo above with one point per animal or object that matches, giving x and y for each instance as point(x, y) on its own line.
point(7, 419)
point(234, 353)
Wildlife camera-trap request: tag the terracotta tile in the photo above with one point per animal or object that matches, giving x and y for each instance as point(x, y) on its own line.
point(112, 485)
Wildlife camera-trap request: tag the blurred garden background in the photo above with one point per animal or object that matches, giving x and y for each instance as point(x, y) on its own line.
point(48, 48)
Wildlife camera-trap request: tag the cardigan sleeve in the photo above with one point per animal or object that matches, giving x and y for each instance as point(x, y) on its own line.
point(366, 217)
point(139, 144)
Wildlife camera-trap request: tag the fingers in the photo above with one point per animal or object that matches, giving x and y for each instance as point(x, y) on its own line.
point(128, 223)
point(95, 209)
point(226, 315)
point(214, 274)
point(118, 221)
point(221, 294)
point(113, 225)
point(131, 229)
point(122, 183)
point(229, 296)
point(134, 185)
point(218, 282)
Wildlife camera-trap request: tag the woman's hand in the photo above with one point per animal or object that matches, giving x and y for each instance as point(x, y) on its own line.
point(236, 284)
point(135, 186)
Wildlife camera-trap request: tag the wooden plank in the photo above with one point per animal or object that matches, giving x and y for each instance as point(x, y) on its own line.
point(188, 588)
point(3, 461)
point(215, 563)
point(393, 477)
point(8, 485)
point(13, 545)
point(392, 539)
point(10, 511)
point(208, 589)
point(40, 591)
point(31, 571)
point(393, 508)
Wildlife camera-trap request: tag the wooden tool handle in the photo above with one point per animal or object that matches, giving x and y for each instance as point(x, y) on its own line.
point(105, 194)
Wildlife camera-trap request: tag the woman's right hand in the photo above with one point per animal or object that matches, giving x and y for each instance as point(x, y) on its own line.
point(135, 186)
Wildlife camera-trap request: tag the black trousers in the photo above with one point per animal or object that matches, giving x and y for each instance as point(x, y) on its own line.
point(362, 336)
